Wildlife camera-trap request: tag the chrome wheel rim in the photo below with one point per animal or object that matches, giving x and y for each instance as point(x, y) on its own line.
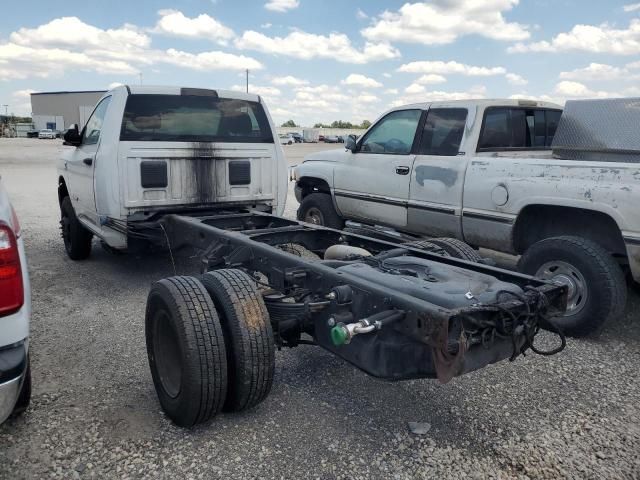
point(564, 273)
point(314, 215)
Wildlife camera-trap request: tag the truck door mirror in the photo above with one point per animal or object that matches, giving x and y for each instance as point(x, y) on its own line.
point(72, 136)
point(350, 143)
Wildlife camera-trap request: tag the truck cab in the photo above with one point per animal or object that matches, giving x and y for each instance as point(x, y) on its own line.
point(146, 151)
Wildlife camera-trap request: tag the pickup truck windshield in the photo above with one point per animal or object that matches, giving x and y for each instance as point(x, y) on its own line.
point(187, 118)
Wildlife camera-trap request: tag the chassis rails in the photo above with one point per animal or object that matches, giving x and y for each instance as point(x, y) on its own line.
point(395, 311)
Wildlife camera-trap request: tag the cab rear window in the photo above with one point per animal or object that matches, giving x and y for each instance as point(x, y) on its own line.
point(194, 118)
point(517, 128)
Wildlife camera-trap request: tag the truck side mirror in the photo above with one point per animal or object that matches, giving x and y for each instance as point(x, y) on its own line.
point(72, 136)
point(350, 143)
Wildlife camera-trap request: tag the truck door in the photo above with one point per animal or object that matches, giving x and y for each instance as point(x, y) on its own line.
point(373, 183)
point(81, 164)
point(437, 180)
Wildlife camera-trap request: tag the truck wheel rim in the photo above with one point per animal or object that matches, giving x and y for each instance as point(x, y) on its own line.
point(314, 216)
point(167, 356)
point(566, 274)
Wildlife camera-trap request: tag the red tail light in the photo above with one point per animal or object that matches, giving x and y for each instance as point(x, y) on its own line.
point(11, 287)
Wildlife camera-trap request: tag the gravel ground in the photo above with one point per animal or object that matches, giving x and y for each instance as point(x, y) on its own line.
point(95, 414)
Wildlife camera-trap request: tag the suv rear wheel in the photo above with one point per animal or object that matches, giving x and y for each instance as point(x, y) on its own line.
point(317, 208)
point(597, 289)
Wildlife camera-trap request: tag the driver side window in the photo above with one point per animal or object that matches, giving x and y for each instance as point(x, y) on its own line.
point(393, 134)
point(94, 124)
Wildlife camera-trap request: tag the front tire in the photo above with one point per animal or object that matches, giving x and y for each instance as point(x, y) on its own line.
point(186, 350)
point(248, 337)
point(597, 289)
point(77, 239)
point(318, 209)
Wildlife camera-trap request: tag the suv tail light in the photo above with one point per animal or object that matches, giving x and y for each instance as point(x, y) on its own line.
point(11, 287)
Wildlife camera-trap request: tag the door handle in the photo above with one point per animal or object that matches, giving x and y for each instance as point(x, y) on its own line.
point(402, 170)
point(88, 161)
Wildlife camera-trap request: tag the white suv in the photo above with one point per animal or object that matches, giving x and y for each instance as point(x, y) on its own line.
point(15, 313)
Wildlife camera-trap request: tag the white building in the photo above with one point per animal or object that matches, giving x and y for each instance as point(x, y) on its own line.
point(58, 110)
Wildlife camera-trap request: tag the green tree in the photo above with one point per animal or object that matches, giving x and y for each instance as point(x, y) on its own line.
point(365, 124)
point(289, 123)
point(318, 125)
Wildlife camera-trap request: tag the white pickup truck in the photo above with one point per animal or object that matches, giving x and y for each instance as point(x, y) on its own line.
point(146, 151)
point(484, 171)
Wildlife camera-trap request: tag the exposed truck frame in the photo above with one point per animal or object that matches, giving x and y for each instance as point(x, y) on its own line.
point(388, 332)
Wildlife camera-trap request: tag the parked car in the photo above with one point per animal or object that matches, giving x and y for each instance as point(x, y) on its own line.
point(286, 139)
point(15, 314)
point(341, 138)
point(331, 139)
point(142, 137)
point(46, 133)
point(32, 134)
point(483, 171)
point(297, 137)
point(321, 138)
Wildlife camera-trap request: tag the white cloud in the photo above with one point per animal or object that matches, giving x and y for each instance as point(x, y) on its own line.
point(175, 23)
point(281, 5)
point(451, 67)
point(391, 91)
point(431, 79)
point(72, 32)
point(569, 89)
point(67, 44)
point(387, 75)
point(632, 7)
point(289, 80)
point(443, 21)
point(209, 60)
point(415, 88)
point(19, 62)
point(361, 15)
point(603, 38)
point(419, 94)
point(270, 94)
point(299, 44)
point(366, 98)
point(596, 71)
point(355, 79)
point(266, 25)
point(515, 79)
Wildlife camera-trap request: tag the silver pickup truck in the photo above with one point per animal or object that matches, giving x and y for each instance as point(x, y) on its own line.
point(490, 173)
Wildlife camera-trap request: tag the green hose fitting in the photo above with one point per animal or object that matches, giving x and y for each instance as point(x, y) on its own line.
point(339, 335)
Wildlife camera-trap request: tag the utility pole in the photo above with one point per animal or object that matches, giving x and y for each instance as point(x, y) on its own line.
point(6, 109)
point(247, 71)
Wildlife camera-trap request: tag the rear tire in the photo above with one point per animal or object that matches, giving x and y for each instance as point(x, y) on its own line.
point(186, 350)
point(298, 250)
point(597, 289)
point(318, 209)
point(77, 239)
point(248, 336)
point(453, 248)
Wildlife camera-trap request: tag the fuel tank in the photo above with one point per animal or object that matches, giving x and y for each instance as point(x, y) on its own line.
point(441, 284)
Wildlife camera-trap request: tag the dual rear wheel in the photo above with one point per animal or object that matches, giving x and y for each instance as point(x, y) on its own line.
point(210, 345)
